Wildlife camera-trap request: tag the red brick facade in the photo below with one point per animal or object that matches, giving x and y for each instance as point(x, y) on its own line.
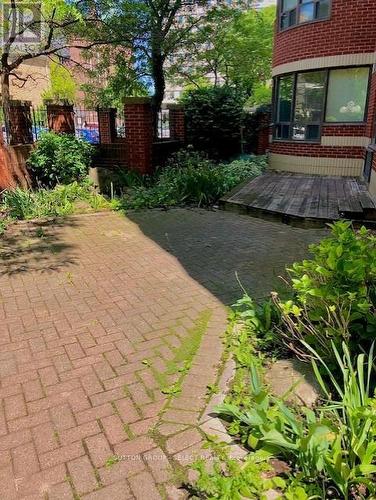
point(349, 30)
point(177, 122)
point(20, 123)
point(137, 151)
point(349, 34)
point(107, 125)
point(139, 127)
point(60, 118)
point(316, 150)
point(353, 130)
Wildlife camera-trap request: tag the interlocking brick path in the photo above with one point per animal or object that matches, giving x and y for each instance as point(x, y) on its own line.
point(94, 310)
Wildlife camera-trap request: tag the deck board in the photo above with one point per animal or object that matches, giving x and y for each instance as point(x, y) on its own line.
point(324, 198)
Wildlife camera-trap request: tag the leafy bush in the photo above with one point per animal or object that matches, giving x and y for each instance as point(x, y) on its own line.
point(328, 451)
point(60, 159)
point(231, 480)
point(259, 323)
point(335, 294)
point(331, 446)
point(213, 120)
point(24, 204)
point(191, 179)
point(351, 462)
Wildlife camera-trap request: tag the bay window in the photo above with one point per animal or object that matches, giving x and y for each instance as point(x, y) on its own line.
point(303, 101)
point(293, 12)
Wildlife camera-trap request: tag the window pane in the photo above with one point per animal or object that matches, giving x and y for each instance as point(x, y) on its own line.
point(313, 132)
point(309, 100)
point(347, 95)
point(304, 132)
point(288, 4)
point(307, 12)
point(292, 16)
point(284, 100)
point(285, 21)
point(323, 9)
point(282, 131)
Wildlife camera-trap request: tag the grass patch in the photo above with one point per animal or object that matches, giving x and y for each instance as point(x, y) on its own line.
point(183, 356)
point(20, 204)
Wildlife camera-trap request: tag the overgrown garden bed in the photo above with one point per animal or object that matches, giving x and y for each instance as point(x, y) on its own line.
point(60, 165)
point(298, 452)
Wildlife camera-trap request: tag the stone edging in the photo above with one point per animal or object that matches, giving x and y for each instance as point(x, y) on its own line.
point(211, 424)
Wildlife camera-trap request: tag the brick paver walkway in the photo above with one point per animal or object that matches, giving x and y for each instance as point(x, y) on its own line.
point(99, 315)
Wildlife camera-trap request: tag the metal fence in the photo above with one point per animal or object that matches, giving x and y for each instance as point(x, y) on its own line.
point(120, 123)
point(164, 124)
point(39, 121)
point(86, 124)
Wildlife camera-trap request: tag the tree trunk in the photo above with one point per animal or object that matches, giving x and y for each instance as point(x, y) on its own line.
point(159, 84)
point(5, 97)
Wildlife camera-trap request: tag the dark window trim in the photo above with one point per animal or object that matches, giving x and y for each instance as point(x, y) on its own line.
point(297, 24)
point(323, 123)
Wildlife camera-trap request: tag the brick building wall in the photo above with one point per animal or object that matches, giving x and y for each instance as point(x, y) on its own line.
point(346, 39)
point(349, 30)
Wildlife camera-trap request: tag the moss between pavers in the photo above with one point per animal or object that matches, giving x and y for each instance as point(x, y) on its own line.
point(181, 363)
point(183, 356)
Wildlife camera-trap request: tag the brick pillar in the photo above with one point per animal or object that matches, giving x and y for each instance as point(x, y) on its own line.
point(263, 127)
point(177, 122)
point(139, 133)
point(60, 118)
point(20, 123)
point(107, 125)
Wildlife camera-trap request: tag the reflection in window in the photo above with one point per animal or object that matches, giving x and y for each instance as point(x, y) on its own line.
point(284, 106)
point(300, 101)
point(307, 11)
point(322, 9)
point(288, 13)
point(285, 98)
point(347, 95)
point(294, 12)
point(309, 105)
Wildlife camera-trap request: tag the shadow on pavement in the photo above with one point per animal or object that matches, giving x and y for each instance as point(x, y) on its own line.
point(216, 247)
point(35, 246)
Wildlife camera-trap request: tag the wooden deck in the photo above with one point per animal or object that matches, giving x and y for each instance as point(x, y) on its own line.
point(295, 198)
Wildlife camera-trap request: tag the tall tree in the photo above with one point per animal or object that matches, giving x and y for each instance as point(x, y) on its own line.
point(203, 61)
point(62, 85)
point(250, 48)
point(112, 79)
point(35, 29)
point(233, 46)
point(154, 31)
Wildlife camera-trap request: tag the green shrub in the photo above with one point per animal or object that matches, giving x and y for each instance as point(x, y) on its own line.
point(332, 445)
point(60, 159)
point(230, 479)
point(259, 323)
point(191, 179)
point(213, 120)
point(26, 204)
point(335, 294)
point(329, 450)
